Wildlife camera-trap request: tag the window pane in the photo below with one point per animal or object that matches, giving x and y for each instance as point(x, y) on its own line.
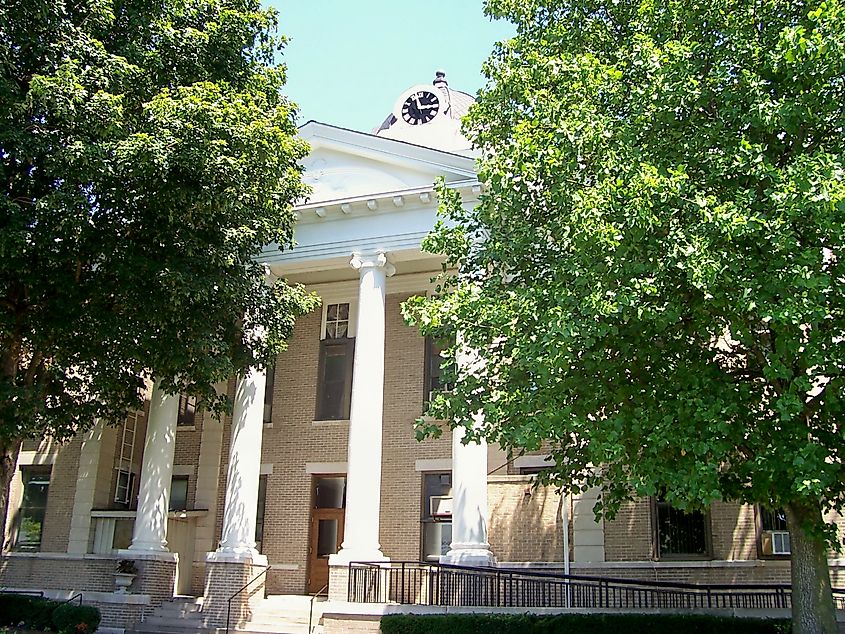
point(437, 536)
point(36, 484)
point(331, 312)
point(335, 385)
point(343, 311)
point(773, 520)
point(330, 493)
point(434, 484)
point(187, 410)
point(680, 533)
point(179, 493)
point(326, 538)
point(259, 515)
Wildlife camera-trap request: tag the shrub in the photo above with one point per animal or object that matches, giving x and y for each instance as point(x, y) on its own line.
point(46, 615)
point(76, 619)
point(580, 624)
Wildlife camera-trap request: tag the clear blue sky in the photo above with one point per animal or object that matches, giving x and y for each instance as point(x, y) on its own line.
point(348, 60)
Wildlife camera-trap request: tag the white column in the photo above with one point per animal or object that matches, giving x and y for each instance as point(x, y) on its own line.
point(363, 484)
point(150, 529)
point(241, 503)
point(469, 545)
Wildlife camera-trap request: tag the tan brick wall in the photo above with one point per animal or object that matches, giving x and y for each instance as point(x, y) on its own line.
point(60, 497)
point(628, 537)
point(526, 523)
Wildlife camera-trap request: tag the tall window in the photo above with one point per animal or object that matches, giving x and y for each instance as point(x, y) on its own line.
point(334, 387)
point(774, 532)
point(268, 393)
point(30, 525)
point(678, 533)
point(435, 373)
point(259, 515)
point(436, 515)
point(187, 410)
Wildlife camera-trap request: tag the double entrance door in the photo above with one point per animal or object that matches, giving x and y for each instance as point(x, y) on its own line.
point(328, 508)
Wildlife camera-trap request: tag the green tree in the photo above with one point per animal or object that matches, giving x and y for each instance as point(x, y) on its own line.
point(146, 155)
point(654, 280)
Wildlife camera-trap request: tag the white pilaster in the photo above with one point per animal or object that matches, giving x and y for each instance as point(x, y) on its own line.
point(241, 504)
point(363, 485)
point(149, 534)
point(86, 486)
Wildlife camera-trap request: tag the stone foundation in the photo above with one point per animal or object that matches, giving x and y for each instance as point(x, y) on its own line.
point(61, 576)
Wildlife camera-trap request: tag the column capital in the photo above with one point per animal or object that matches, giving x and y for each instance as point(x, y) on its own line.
point(377, 260)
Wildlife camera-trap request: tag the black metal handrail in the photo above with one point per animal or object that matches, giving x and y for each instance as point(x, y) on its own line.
point(311, 611)
point(422, 583)
point(243, 587)
point(78, 595)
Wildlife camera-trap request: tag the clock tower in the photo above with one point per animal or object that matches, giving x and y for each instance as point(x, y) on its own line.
point(429, 115)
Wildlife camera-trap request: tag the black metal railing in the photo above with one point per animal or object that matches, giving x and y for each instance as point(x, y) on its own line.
point(243, 588)
point(422, 583)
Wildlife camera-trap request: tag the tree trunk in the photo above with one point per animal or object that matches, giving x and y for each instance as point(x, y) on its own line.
point(812, 600)
point(9, 451)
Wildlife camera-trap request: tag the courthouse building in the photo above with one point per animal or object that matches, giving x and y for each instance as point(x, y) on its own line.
point(318, 464)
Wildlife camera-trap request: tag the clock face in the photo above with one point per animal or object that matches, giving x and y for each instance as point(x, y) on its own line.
point(420, 107)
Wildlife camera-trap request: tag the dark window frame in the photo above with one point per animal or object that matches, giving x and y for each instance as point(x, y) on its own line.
point(261, 512)
point(270, 382)
point(28, 473)
point(425, 507)
point(322, 406)
point(187, 416)
point(656, 504)
point(180, 478)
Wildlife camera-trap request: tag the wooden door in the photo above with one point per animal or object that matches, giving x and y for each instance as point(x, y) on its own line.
point(326, 534)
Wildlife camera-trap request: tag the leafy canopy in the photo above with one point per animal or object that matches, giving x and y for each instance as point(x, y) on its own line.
point(146, 155)
point(654, 280)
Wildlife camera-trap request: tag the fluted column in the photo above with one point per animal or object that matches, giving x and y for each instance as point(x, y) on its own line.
point(363, 485)
point(150, 531)
point(241, 501)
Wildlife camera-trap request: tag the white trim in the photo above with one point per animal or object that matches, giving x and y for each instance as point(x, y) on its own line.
point(27, 458)
point(275, 566)
point(184, 470)
point(186, 428)
point(533, 462)
point(319, 468)
point(266, 469)
point(352, 322)
point(433, 464)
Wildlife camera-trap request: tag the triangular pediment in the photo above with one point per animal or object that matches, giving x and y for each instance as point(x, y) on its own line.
point(345, 164)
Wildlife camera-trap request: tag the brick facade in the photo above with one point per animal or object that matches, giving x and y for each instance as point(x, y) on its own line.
point(526, 524)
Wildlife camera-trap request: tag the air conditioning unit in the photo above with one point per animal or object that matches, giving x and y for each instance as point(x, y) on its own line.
point(440, 507)
point(776, 543)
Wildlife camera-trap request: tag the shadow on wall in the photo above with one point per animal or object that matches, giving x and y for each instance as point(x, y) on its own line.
point(526, 524)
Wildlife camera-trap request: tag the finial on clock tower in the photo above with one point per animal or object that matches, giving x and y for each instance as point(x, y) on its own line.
point(440, 79)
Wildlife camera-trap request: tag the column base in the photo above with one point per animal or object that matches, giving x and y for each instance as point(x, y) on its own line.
point(479, 557)
point(236, 556)
point(348, 555)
